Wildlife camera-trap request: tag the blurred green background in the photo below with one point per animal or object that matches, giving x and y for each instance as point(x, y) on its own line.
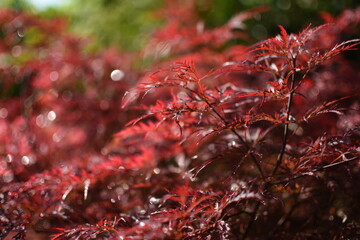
point(128, 24)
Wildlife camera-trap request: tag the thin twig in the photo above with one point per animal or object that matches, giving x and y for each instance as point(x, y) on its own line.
point(309, 173)
point(284, 219)
point(252, 220)
point(288, 117)
point(248, 149)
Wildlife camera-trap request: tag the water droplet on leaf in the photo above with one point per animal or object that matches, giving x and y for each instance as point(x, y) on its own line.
point(86, 188)
point(154, 200)
point(9, 158)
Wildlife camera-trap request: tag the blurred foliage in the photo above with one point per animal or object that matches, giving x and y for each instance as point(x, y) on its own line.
point(16, 4)
point(128, 24)
point(292, 14)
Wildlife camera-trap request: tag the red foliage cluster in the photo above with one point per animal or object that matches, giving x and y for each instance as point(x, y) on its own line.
point(229, 142)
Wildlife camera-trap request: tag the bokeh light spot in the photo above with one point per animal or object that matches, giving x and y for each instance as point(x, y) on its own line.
point(117, 75)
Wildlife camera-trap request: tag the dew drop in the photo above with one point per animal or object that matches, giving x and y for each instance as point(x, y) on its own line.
point(117, 75)
point(56, 137)
point(8, 177)
point(211, 147)
point(125, 186)
point(292, 118)
point(9, 158)
point(86, 188)
point(54, 75)
point(64, 196)
point(40, 121)
point(51, 115)
point(97, 64)
point(156, 170)
point(16, 51)
point(25, 160)
point(234, 187)
point(154, 200)
point(3, 165)
point(20, 33)
point(3, 113)
point(274, 67)
point(192, 177)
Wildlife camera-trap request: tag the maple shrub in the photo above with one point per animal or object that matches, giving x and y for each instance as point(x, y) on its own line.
point(226, 142)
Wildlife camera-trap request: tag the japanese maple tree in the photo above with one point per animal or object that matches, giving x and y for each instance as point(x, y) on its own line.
point(216, 141)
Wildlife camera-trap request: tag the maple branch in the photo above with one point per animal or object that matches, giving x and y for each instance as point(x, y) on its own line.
point(286, 181)
point(286, 127)
point(248, 149)
point(252, 220)
point(284, 218)
point(311, 172)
